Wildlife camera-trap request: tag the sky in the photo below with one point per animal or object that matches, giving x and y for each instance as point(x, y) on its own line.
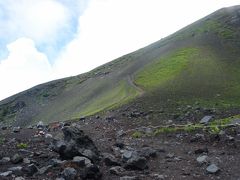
point(51, 39)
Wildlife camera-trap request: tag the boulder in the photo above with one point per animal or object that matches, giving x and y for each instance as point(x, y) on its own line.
point(69, 173)
point(136, 163)
point(75, 143)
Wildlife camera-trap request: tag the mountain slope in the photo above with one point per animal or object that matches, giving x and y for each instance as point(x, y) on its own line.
point(199, 63)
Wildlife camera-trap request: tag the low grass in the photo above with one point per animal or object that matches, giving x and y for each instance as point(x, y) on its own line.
point(165, 69)
point(112, 98)
point(22, 145)
point(213, 127)
point(137, 134)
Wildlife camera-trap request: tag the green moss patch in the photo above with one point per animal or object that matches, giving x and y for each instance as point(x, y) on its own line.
point(165, 69)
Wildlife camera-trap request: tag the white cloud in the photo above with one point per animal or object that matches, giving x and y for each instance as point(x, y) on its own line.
point(109, 29)
point(23, 68)
point(38, 20)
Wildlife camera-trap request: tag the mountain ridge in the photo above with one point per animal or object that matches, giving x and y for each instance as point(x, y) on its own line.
point(215, 37)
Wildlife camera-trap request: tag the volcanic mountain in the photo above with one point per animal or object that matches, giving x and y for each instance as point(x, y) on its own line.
point(196, 66)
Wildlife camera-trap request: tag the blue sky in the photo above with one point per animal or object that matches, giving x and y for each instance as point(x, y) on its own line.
point(42, 40)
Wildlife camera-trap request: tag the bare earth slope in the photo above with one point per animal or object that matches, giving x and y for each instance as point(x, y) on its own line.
point(199, 63)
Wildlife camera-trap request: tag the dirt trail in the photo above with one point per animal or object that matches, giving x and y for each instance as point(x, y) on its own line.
point(131, 83)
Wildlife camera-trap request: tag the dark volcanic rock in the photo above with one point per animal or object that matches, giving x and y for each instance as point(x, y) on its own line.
point(91, 172)
point(30, 170)
point(110, 160)
point(116, 170)
point(69, 173)
point(76, 143)
point(201, 150)
point(82, 161)
point(16, 159)
point(147, 152)
point(136, 163)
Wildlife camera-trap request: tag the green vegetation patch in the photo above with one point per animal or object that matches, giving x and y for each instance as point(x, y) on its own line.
point(165, 68)
point(22, 145)
point(213, 127)
point(137, 134)
point(114, 97)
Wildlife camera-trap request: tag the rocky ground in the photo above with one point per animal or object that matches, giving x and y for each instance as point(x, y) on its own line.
point(122, 147)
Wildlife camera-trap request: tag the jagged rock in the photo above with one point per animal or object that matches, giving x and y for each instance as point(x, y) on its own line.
point(206, 119)
point(110, 160)
point(117, 170)
point(30, 170)
point(6, 174)
point(76, 143)
point(202, 159)
point(82, 161)
point(16, 159)
point(69, 173)
point(91, 172)
point(136, 163)
point(212, 169)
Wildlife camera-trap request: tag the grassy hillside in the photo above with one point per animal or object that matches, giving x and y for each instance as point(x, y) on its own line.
point(199, 63)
